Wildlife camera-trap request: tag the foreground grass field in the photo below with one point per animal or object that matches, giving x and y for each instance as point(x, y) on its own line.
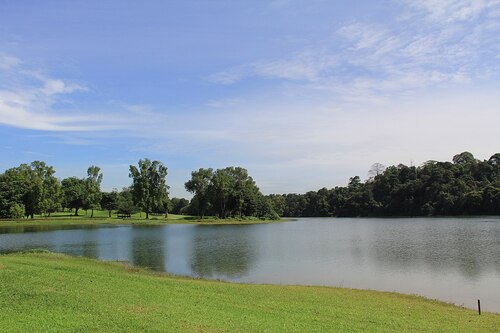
point(102, 217)
point(44, 292)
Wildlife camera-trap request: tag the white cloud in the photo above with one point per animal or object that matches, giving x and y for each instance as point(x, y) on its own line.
point(8, 62)
point(54, 87)
point(226, 77)
point(306, 65)
point(446, 11)
point(294, 145)
point(440, 43)
point(28, 102)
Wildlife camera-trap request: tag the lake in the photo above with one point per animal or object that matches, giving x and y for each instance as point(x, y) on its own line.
point(451, 259)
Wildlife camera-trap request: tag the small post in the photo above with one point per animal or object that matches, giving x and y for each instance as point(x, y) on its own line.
point(479, 306)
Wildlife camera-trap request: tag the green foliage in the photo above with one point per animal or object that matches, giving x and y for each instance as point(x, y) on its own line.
point(228, 192)
point(125, 203)
point(92, 191)
point(465, 187)
point(32, 186)
point(109, 201)
point(73, 189)
point(16, 210)
point(149, 186)
point(200, 186)
point(178, 205)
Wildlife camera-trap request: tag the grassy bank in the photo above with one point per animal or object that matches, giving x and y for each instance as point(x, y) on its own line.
point(43, 292)
point(102, 217)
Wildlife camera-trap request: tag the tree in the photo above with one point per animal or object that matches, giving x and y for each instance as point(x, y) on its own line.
point(126, 204)
point(93, 188)
point(49, 191)
point(466, 186)
point(149, 186)
point(73, 189)
point(221, 184)
point(200, 185)
point(178, 204)
point(13, 187)
point(109, 201)
point(278, 203)
point(376, 169)
point(34, 187)
point(243, 188)
point(463, 158)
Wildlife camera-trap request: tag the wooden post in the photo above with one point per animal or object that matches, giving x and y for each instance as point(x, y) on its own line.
point(479, 306)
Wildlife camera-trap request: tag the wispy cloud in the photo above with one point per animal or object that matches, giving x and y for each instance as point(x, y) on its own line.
point(30, 101)
point(306, 65)
point(8, 62)
point(225, 103)
point(446, 11)
point(425, 47)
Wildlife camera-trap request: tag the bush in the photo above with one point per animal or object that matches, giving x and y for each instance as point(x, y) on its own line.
point(16, 210)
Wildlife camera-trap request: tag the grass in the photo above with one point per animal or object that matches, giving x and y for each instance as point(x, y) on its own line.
point(45, 292)
point(102, 217)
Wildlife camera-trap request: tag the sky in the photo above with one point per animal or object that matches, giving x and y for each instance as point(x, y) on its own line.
point(303, 94)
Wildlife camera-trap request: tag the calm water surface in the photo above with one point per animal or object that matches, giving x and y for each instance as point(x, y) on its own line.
point(451, 259)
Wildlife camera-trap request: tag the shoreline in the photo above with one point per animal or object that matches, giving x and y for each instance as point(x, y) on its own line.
point(62, 221)
point(66, 290)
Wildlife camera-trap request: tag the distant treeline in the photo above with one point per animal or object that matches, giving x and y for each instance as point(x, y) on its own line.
point(465, 186)
point(32, 189)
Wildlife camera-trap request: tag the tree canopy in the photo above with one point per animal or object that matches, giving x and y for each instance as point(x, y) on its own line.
point(465, 186)
point(149, 186)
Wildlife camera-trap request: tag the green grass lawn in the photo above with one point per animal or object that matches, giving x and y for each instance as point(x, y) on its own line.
point(44, 292)
point(102, 217)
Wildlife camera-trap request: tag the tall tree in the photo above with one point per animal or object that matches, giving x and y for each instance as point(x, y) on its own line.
point(222, 183)
point(73, 190)
point(34, 187)
point(200, 186)
point(13, 186)
point(243, 188)
point(149, 185)
point(93, 188)
point(49, 191)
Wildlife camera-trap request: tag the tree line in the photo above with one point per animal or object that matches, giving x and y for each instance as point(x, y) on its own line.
point(465, 186)
point(33, 189)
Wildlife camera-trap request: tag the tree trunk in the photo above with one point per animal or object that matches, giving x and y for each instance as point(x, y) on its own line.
point(109, 213)
point(92, 213)
point(76, 211)
point(147, 215)
point(32, 215)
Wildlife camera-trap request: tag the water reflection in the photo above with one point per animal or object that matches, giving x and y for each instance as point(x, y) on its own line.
point(148, 248)
point(20, 229)
point(437, 245)
point(222, 251)
point(451, 259)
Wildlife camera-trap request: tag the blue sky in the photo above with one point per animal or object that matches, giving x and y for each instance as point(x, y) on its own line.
point(304, 94)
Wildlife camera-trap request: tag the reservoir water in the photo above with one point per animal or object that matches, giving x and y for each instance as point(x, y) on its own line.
point(451, 259)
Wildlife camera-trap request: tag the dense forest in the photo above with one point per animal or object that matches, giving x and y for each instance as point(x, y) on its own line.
point(465, 186)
